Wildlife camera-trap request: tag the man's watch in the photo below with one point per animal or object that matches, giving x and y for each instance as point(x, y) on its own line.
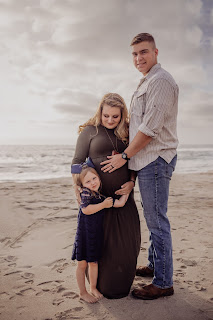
point(124, 156)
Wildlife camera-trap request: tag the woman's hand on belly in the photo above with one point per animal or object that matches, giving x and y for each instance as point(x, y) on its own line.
point(126, 188)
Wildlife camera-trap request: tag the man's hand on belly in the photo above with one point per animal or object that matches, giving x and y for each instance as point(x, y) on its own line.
point(113, 163)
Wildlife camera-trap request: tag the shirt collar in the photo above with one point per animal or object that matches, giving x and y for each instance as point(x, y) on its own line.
point(151, 72)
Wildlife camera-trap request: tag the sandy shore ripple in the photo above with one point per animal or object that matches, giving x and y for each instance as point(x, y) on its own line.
point(37, 278)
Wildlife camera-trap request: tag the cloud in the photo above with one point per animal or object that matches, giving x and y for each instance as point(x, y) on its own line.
point(70, 101)
point(72, 109)
point(201, 108)
point(67, 54)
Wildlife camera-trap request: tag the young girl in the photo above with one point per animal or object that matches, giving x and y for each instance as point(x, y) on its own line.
point(88, 240)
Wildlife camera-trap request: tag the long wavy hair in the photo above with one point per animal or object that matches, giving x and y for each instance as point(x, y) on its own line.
point(112, 100)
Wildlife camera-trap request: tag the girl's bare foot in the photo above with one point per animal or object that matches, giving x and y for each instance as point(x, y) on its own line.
point(96, 293)
point(88, 297)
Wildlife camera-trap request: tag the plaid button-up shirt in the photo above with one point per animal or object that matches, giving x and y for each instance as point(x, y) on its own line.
point(153, 111)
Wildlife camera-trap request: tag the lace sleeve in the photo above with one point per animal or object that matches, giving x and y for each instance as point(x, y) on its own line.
point(86, 197)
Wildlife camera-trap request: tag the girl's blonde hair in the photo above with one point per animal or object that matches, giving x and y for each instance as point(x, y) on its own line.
point(78, 177)
point(112, 100)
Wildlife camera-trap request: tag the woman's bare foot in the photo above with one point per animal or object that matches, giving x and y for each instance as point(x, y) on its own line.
point(96, 293)
point(88, 297)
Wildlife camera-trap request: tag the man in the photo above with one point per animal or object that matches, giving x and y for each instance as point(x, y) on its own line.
point(152, 154)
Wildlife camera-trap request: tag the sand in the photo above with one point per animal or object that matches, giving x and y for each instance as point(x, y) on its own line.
point(37, 278)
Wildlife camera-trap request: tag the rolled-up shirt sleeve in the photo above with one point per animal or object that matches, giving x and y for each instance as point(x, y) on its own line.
point(159, 98)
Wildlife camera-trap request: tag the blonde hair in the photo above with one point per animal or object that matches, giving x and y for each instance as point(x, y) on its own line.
point(112, 100)
point(78, 177)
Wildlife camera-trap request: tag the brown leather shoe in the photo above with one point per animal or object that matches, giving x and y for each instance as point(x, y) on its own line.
point(152, 292)
point(144, 272)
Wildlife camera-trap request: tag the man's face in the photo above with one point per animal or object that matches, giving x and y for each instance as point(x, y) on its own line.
point(144, 56)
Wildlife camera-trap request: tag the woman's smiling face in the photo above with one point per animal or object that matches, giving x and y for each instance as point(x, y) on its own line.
point(110, 116)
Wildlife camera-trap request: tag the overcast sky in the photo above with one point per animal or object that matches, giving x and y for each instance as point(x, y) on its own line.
point(59, 57)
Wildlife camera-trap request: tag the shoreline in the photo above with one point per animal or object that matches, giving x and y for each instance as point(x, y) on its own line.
point(38, 221)
point(70, 177)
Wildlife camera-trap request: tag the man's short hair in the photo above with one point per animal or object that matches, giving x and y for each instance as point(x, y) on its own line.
point(143, 37)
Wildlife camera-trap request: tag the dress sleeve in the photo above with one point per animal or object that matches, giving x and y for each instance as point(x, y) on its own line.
point(83, 145)
point(86, 197)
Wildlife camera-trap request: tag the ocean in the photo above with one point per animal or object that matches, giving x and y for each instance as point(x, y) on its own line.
point(24, 162)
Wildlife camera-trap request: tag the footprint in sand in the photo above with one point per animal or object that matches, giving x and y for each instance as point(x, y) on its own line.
point(4, 295)
point(21, 307)
point(70, 295)
point(59, 265)
point(61, 268)
point(200, 288)
point(46, 286)
point(2, 260)
point(29, 282)
point(179, 274)
point(59, 289)
point(6, 240)
point(59, 281)
point(74, 313)
point(56, 263)
point(28, 275)
point(27, 291)
point(52, 286)
point(19, 286)
point(12, 265)
point(189, 263)
point(10, 259)
point(177, 281)
point(12, 272)
point(56, 302)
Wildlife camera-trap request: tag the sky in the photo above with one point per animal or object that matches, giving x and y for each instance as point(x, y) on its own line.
point(59, 57)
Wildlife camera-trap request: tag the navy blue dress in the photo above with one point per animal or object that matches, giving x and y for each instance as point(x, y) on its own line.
point(89, 235)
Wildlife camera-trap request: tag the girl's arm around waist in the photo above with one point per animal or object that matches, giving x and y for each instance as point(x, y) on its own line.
point(93, 208)
point(122, 201)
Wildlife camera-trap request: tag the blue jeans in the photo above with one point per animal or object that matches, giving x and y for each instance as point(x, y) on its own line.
point(153, 183)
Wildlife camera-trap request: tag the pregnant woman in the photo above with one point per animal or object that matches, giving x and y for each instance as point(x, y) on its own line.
point(107, 133)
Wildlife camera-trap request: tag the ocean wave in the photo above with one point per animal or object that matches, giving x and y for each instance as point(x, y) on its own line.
point(24, 163)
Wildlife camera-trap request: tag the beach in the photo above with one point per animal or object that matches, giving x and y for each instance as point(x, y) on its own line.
point(38, 221)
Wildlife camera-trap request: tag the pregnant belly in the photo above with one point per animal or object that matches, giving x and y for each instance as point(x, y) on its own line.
point(111, 181)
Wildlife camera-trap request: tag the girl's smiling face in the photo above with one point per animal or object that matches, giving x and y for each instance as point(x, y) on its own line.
point(91, 181)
